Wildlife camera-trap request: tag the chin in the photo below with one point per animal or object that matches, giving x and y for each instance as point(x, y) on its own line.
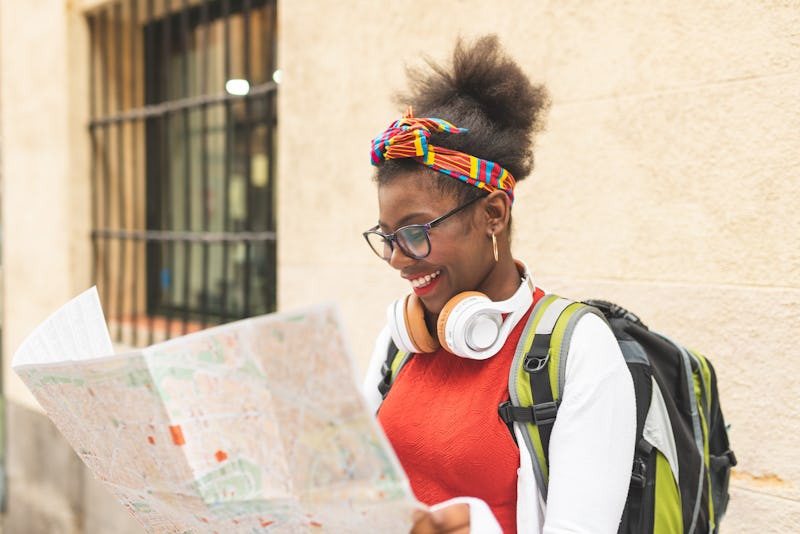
point(432, 306)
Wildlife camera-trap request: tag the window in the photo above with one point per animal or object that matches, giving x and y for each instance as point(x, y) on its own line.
point(183, 133)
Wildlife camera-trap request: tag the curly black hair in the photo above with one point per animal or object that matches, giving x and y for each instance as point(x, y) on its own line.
point(485, 91)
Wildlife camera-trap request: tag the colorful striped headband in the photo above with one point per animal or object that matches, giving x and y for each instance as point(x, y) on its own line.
point(408, 138)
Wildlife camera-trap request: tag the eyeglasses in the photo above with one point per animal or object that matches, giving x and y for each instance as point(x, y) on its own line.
point(413, 240)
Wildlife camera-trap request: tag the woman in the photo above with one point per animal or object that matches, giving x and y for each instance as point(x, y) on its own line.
point(446, 174)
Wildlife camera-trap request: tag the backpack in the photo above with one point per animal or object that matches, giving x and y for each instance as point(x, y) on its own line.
point(682, 458)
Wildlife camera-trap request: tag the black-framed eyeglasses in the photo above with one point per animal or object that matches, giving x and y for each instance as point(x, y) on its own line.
point(414, 240)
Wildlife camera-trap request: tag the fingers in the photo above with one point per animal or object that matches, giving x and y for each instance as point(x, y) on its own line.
point(452, 519)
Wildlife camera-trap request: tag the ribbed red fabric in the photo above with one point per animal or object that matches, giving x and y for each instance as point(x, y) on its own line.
point(441, 418)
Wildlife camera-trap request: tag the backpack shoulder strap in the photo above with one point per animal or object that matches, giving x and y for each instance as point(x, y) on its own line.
point(395, 360)
point(537, 376)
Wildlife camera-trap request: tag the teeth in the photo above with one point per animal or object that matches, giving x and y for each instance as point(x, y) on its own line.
point(423, 281)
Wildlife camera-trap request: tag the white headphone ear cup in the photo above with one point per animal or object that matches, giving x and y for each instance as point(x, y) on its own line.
point(451, 314)
point(395, 318)
point(416, 327)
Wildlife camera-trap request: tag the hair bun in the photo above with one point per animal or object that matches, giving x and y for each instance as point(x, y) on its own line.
point(485, 91)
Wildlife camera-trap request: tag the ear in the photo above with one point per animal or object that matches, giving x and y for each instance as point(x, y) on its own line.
point(497, 212)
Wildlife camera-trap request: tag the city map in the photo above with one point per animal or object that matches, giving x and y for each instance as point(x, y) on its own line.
point(253, 426)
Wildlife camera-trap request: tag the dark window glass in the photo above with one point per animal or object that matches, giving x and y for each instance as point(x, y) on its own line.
point(183, 163)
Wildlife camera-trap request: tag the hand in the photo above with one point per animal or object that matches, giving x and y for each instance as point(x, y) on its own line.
point(453, 519)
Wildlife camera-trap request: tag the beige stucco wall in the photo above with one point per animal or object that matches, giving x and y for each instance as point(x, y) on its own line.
point(667, 181)
point(45, 170)
point(46, 254)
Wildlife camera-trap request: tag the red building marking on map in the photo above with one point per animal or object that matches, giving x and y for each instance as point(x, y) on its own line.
point(151, 440)
point(265, 523)
point(316, 524)
point(177, 435)
point(220, 456)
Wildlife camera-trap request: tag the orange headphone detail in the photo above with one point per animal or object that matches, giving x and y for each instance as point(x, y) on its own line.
point(470, 324)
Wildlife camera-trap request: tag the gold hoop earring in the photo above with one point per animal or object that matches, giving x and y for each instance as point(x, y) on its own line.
point(494, 249)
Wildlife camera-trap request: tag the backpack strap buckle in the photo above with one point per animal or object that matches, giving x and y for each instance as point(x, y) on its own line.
point(536, 359)
point(538, 414)
point(384, 386)
point(724, 460)
point(639, 473)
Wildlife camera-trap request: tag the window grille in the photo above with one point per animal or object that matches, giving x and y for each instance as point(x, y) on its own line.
point(183, 119)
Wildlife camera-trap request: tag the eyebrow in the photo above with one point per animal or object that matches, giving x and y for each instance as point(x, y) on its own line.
point(404, 221)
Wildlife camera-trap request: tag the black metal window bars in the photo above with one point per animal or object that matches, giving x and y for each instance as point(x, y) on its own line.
point(183, 118)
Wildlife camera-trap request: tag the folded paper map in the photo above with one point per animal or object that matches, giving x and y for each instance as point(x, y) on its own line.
point(253, 426)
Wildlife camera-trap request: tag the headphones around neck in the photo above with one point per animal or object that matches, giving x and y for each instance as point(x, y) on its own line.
point(470, 325)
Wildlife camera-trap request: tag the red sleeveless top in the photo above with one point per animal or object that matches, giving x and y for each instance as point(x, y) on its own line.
point(441, 418)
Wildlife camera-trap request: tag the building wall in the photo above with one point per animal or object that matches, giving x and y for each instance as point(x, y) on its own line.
point(666, 181)
point(46, 253)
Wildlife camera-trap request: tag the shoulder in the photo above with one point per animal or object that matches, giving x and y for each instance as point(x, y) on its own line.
point(591, 330)
point(594, 350)
point(588, 331)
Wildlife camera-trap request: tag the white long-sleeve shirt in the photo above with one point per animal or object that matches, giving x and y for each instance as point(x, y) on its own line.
point(591, 444)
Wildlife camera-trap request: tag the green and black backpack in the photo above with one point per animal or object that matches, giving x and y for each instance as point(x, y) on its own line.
point(682, 460)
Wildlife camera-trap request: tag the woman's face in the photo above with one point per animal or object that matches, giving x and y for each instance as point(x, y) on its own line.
point(461, 255)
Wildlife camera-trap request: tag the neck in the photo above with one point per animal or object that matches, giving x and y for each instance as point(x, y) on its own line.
point(503, 280)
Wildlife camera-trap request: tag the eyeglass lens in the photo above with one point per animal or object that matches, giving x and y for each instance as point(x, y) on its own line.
point(413, 241)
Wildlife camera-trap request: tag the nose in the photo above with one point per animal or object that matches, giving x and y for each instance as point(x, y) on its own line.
point(398, 258)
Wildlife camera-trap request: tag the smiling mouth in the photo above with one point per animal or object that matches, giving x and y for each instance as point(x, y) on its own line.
point(424, 281)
